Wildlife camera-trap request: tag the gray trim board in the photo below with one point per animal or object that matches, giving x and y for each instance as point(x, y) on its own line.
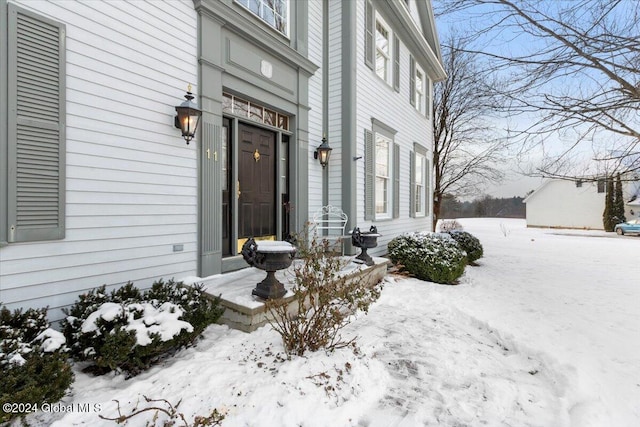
point(349, 116)
point(383, 128)
point(233, 47)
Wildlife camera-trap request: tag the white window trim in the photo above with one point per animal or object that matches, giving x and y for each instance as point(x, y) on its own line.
point(388, 78)
point(287, 19)
point(388, 200)
point(419, 190)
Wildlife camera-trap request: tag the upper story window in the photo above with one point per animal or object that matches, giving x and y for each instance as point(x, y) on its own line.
point(273, 12)
point(420, 89)
point(383, 50)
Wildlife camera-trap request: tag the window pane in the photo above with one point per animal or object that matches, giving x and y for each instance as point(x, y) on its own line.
point(419, 169)
point(268, 16)
point(283, 122)
point(381, 195)
point(254, 6)
point(382, 51)
point(227, 103)
point(382, 38)
point(382, 157)
point(256, 113)
point(273, 12)
point(240, 107)
point(270, 117)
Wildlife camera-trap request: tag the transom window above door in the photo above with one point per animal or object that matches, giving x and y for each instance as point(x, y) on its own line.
point(273, 12)
point(232, 104)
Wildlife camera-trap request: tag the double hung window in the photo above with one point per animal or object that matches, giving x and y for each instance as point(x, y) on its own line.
point(383, 50)
point(383, 163)
point(419, 181)
point(273, 12)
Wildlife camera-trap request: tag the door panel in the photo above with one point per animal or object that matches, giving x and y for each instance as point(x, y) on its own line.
point(256, 181)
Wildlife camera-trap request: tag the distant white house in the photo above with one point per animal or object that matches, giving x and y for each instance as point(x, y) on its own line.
point(560, 203)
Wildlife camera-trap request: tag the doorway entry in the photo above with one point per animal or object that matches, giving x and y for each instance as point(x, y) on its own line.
point(254, 211)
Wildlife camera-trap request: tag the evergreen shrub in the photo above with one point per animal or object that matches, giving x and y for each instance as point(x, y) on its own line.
point(33, 362)
point(433, 257)
point(469, 243)
point(129, 330)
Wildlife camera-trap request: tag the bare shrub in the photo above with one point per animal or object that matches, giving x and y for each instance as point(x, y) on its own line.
point(161, 408)
point(324, 301)
point(448, 225)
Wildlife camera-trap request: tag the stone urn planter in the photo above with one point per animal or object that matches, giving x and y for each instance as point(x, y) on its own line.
point(365, 240)
point(269, 256)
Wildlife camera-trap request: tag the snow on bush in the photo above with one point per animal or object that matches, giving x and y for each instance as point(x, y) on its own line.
point(34, 366)
point(433, 257)
point(129, 330)
point(469, 243)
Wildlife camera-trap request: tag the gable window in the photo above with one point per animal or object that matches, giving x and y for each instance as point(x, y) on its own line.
point(273, 12)
point(419, 181)
point(383, 50)
point(382, 173)
point(35, 136)
point(420, 87)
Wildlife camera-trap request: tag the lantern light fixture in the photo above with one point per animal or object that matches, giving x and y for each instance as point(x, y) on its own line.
point(323, 152)
point(188, 117)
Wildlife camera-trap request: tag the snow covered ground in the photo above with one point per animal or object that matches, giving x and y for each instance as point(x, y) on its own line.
point(545, 331)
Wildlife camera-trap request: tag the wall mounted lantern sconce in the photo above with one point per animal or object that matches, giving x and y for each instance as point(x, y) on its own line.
point(323, 152)
point(188, 117)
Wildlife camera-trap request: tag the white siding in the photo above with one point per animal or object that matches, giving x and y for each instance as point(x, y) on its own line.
point(378, 100)
point(335, 101)
point(559, 203)
point(315, 103)
point(131, 179)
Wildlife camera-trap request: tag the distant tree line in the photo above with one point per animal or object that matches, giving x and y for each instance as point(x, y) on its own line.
point(485, 206)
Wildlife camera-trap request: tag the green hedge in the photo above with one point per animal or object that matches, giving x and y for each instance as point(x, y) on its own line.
point(32, 359)
point(433, 257)
point(129, 330)
point(469, 243)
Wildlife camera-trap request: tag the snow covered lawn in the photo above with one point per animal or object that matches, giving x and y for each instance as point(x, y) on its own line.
point(544, 332)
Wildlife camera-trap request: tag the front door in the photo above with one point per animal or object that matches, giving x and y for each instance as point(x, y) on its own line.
point(256, 186)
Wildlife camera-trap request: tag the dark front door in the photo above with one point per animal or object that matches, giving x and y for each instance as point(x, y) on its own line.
point(256, 186)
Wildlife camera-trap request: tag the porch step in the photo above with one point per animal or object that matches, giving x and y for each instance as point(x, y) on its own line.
point(246, 312)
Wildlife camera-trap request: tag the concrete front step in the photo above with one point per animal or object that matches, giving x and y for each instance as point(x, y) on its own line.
point(246, 312)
